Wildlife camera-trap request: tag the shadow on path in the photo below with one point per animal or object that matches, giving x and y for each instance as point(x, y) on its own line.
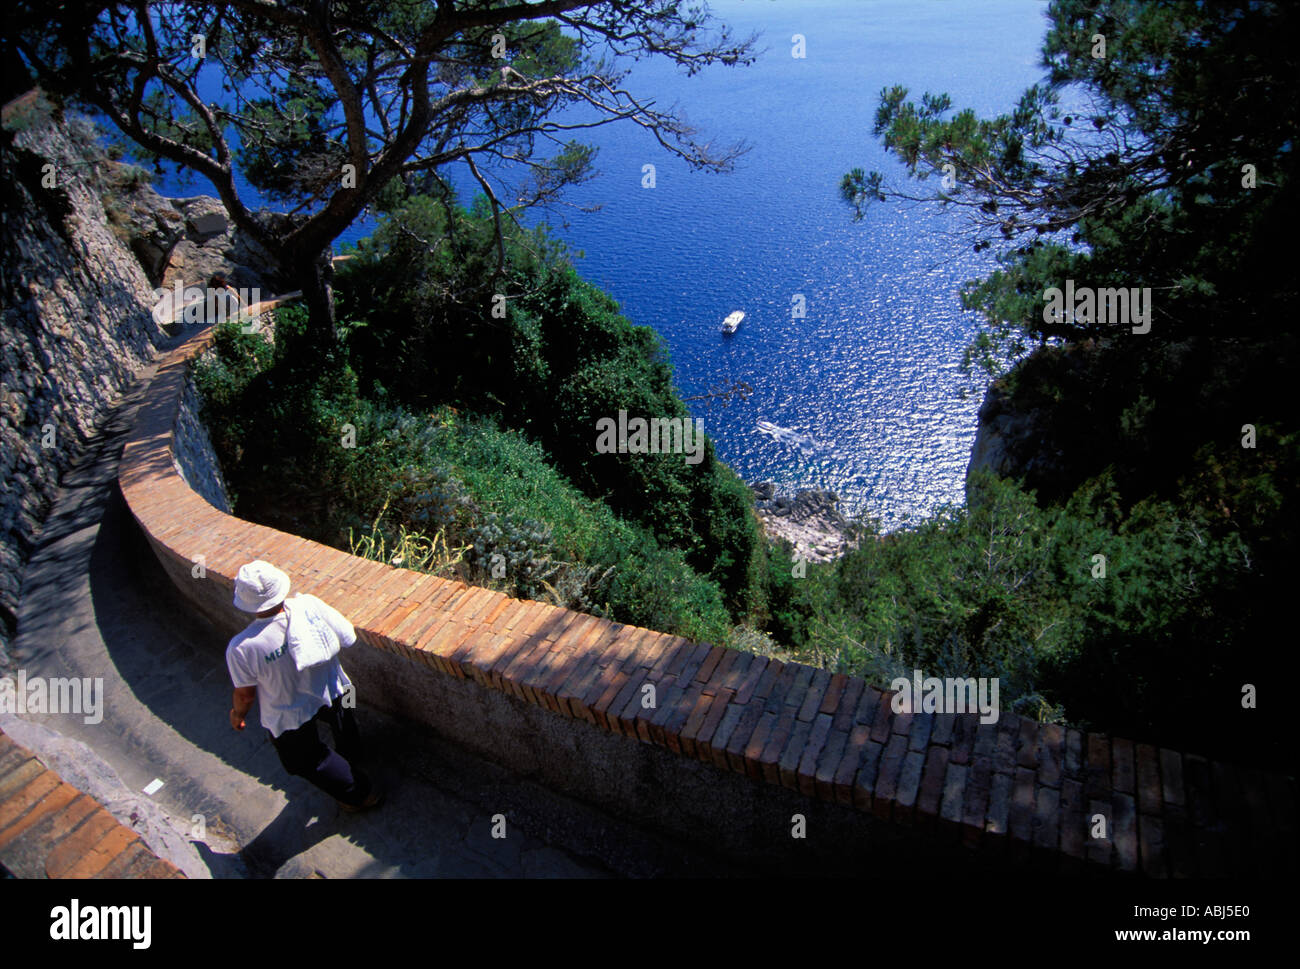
point(97, 603)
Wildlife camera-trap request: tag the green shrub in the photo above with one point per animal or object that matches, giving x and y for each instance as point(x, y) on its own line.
point(498, 513)
point(558, 360)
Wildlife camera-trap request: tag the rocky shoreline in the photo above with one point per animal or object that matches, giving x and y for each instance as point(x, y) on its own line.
point(809, 519)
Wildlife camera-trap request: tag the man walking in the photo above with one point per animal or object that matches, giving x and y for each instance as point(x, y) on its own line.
point(291, 700)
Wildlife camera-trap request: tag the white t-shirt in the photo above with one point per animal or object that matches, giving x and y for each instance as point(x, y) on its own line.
point(286, 697)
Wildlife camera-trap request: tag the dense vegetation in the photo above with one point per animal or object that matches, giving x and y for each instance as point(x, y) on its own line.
point(557, 360)
point(1008, 588)
point(479, 433)
point(1161, 157)
point(1128, 575)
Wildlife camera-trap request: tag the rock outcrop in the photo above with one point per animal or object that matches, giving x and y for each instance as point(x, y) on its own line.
point(77, 324)
point(212, 245)
point(1026, 432)
point(1006, 438)
point(86, 247)
point(809, 519)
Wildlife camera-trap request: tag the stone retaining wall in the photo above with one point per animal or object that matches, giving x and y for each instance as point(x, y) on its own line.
point(196, 461)
point(77, 330)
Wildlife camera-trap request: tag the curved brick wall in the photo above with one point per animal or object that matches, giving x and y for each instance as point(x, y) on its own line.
point(737, 741)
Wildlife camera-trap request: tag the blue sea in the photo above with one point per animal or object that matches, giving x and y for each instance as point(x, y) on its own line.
point(869, 379)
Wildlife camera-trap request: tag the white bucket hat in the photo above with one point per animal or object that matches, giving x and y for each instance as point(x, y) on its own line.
point(260, 586)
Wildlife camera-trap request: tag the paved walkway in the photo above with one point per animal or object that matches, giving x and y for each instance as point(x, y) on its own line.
point(96, 604)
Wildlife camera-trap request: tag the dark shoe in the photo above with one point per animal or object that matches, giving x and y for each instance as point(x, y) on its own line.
point(375, 799)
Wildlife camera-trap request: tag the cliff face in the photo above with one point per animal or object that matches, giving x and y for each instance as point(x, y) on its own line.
point(78, 323)
point(1010, 438)
point(1025, 430)
point(77, 328)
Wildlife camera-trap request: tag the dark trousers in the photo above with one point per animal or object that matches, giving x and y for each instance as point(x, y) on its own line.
point(304, 755)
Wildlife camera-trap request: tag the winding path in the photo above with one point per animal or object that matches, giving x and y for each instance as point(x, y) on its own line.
point(96, 603)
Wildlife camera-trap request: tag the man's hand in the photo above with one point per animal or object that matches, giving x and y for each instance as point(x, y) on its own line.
point(243, 702)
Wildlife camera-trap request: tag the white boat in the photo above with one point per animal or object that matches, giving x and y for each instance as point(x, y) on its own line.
point(732, 323)
point(788, 436)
